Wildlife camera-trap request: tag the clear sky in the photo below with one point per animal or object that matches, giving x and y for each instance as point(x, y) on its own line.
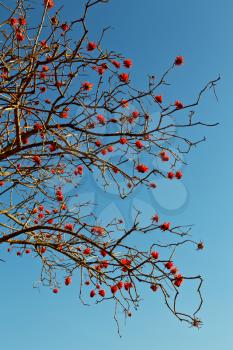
point(152, 33)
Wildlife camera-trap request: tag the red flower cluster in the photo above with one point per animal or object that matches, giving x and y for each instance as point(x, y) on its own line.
point(101, 119)
point(98, 229)
point(59, 195)
point(49, 4)
point(69, 227)
point(165, 226)
point(87, 86)
point(78, 170)
point(141, 168)
point(164, 156)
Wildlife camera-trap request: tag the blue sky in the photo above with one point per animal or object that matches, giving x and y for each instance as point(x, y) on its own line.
point(152, 33)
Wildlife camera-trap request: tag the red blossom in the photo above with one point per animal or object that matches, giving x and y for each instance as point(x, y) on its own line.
point(159, 98)
point(141, 168)
point(102, 293)
point(155, 255)
point(128, 63)
point(91, 46)
point(101, 119)
point(123, 140)
point(116, 64)
point(13, 21)
point(179, 175)
point(124, 77)
point(68, 281)
point(22, 21)
point(178, 104)
point(170, 175)
point(165, 226)
point(87, 86)
point(179, 60)
point(139, 144)
point(169, 265)
point(49, 4)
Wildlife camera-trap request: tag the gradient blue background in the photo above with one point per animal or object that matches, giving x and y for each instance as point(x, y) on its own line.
point(152, 33)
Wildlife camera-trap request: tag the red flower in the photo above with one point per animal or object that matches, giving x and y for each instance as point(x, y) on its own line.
point(49, 4)
point(41, 208)
point(128, 285)
point(27, 251)
point(87, 251)
point(44, 44)
point(141, 168)
point(179, 60)
point(68, 281)
point(98, 229)
point(153, 185)
point(103, 252)
point(127, 264)
point(104, 264)
point(128, 63)
point(124, 103)
point(165, 226)
point(102, 293)
point(19, 36)
point(65, 27)
point(155, 255)
point(37, 160)
point(13, 21)
point(170, 175)
point(116, 64)
point(123, 140)
point(43, 250)
point(169, 265)
point(104, 152)
point(179, 175)
point(101, 119)
point(69, 227)
point(155, 218)
point(135, 114)
point(124, 77)
point(173, 270)
point(179, 279)
point(164, 156)
point(120, 285)
point(92, 293)
point(101, 70)
point(55, 290)
point(114, 289)
point(178, 104)
point(139, 144)
point(154, 287)
point(53, 147)
point(87, 86)
point(63, 114)
point(91, 46)
point(159, 99)
point(22, 21)
point(110, 149)
point(98, 143)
